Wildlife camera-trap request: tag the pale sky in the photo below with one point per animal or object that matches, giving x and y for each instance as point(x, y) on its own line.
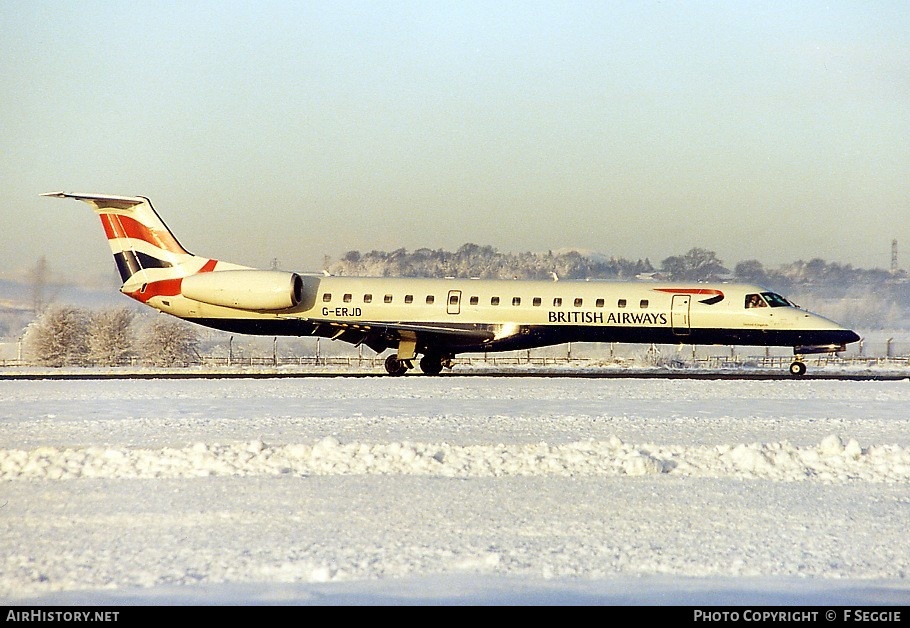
point(774, 131)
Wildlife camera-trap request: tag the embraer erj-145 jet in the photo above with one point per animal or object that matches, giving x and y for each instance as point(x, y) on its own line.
point(439, 318)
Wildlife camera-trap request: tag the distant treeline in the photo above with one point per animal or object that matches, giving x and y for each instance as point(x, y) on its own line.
point(869, 298)
point(485, 262)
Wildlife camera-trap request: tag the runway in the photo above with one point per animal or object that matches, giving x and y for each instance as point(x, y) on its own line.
point(700, 374)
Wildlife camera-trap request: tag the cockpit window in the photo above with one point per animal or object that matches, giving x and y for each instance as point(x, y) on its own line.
point(755, 300)
point(775, 300)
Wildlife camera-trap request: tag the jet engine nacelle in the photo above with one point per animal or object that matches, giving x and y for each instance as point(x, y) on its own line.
point(245, 289)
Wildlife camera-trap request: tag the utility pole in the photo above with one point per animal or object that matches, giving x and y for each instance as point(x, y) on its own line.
point(38, 278)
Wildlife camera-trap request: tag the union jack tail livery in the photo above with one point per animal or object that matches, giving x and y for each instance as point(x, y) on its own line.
point(144, 249)
point(154, 265)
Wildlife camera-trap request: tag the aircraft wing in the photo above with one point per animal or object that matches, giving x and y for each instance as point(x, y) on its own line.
point(381, 335)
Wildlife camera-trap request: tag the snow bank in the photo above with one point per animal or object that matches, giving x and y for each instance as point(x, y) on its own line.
point(831, 460)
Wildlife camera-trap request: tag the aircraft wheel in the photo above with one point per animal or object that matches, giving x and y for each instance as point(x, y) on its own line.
point(797, 369)
point(431, 364)
point(394, 366)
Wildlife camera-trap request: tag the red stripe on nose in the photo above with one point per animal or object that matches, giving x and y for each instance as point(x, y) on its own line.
point(690, 290)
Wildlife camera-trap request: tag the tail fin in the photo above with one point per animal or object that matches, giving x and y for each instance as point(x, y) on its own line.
point(144, 248)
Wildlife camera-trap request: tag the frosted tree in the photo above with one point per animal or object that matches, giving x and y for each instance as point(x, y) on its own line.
point(58, 337)
point(110, 336)
point(751, 271)
point(696, 265)
point(168, 341)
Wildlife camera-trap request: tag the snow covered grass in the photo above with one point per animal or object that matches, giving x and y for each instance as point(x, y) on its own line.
point(421, 490)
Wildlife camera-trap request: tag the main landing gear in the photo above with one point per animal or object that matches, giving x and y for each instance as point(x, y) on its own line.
point(433, 363)
point(394, 366)
point(430, 364)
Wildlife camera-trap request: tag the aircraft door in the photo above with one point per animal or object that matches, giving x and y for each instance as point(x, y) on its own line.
point(679, 314)
point(453, 304)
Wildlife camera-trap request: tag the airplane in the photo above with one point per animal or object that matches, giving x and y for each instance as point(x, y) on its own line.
point(440, 318)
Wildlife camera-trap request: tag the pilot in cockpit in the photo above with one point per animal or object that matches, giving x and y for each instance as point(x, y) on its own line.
point(755, 300)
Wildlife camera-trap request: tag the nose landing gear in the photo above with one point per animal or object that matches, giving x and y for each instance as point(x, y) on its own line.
point(798, 368)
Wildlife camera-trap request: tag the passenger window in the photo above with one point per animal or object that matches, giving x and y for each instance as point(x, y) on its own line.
point(368, 298)
point(557, 302)
point(494, 301)
point(516, 300)
point(536, 302)
point(475, 300)
point(453, 299)
point(409, 298)
point(327, 297)
point(387, 298)
point(643, 303)
point(599, 303)
point(430, 299)
point(755, 300)
point(621, 303)
point(578, 302)
point(347, 298)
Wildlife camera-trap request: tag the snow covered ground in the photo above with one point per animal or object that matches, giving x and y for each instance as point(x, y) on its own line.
point(455, 490)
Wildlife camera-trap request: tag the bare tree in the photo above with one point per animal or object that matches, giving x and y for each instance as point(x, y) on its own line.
point(110, 336)
point(169, 341)
point(58, 337)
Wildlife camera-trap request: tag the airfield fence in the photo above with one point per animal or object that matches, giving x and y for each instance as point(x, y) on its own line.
point(713, 362)
point(708, 362)
point(890, 351)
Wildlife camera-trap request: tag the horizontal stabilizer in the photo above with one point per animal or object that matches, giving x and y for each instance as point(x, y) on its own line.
point(102, 200)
